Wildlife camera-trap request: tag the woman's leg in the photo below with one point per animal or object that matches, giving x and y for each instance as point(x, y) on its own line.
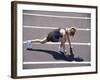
point(62, 40)
point(44, 40)
point(29, 42)
point(62, 45)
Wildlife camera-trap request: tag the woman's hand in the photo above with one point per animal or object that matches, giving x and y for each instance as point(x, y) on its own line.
point(71, 52)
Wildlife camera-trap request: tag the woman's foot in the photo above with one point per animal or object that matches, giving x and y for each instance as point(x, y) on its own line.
point(29, 44)
point(61, 50)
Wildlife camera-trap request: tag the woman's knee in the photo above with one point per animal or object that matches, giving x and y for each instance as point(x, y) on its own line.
point(43, 41)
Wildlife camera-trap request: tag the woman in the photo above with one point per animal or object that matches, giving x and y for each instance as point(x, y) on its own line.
point(57, 35)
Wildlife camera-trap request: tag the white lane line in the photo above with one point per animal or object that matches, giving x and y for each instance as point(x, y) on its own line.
point(38, 27)
point(59, 62)
point(59, 43)
point(55, 16)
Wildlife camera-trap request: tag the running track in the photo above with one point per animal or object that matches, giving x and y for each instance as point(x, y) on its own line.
point(37, 24)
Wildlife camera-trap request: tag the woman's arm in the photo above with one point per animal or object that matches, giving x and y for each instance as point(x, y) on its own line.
point(68, 38)
point(71, 51)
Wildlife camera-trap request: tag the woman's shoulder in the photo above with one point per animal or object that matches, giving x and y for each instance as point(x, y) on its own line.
point(62, 31)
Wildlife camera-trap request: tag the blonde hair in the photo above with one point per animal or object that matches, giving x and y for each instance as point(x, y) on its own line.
point(72, 31)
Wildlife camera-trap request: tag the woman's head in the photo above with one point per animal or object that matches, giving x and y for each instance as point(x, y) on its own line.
point(71, 31)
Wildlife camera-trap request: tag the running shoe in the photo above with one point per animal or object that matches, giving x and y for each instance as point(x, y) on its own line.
point(29, 44)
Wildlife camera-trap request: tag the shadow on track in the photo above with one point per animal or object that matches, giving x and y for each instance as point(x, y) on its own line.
point(59, 55)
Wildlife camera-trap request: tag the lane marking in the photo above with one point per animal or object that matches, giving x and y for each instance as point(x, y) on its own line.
point(59, 62)
point(38, 27)
point(55, 16)
point(59, 43)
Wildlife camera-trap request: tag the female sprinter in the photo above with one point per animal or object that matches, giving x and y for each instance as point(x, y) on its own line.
point(58, 35)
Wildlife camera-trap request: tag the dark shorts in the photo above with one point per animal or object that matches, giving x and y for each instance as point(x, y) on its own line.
point(53, 37)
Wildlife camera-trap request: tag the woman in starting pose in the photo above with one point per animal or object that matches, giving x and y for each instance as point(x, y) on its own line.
point(58, 35)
